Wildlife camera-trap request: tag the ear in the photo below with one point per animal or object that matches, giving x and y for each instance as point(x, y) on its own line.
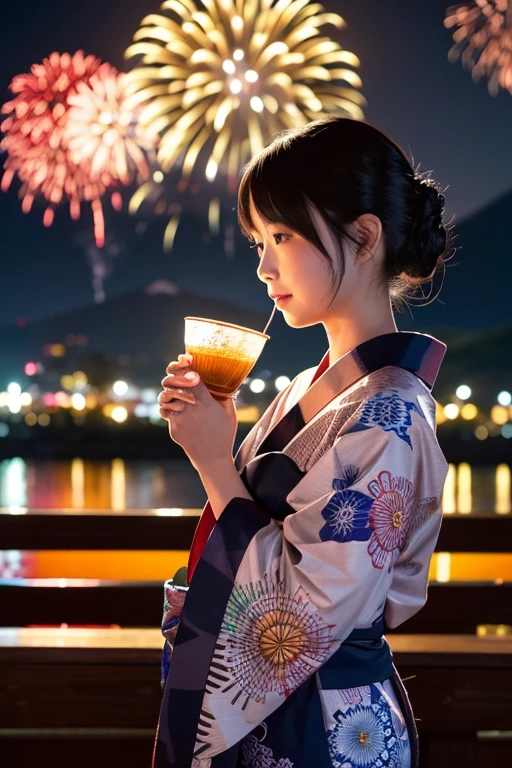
point(369, 233)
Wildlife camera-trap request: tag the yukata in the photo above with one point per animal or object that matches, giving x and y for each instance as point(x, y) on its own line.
point(279, 658)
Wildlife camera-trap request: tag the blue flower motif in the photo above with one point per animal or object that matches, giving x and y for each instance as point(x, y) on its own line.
point(364, 737)
point(349, 476)
point(347, 513)
point(388, 411)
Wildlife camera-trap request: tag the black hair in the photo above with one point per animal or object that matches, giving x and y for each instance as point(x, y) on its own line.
point(345, 168)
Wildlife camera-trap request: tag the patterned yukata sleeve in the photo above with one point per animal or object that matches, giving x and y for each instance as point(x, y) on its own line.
point(304, 584)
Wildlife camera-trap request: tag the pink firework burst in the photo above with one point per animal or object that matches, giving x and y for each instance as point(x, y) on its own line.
point(483, 40)
point(102, 131)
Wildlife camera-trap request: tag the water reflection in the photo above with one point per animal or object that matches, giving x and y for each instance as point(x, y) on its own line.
point(82, 484)
point(169, 485)
point(502, 489)
point(464, 498)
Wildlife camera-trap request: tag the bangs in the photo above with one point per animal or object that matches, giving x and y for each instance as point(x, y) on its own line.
point(276, 195)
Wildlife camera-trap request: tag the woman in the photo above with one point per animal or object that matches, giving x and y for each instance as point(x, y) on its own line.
point(318, 535)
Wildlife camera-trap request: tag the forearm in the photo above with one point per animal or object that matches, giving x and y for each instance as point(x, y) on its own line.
point(222, 483)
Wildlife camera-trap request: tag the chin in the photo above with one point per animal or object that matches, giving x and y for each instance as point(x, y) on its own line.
point(295, 321)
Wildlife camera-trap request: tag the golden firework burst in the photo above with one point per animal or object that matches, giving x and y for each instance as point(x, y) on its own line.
point(220, 82)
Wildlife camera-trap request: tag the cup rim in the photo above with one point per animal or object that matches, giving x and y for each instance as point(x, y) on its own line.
point(230, 325)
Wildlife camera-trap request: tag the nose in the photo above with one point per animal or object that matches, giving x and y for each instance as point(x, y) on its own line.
point(267, 267)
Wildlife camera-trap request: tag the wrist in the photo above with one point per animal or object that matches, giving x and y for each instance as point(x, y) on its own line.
point(215, 466)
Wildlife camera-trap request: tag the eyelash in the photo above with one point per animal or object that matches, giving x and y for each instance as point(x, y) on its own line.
point(260, 245)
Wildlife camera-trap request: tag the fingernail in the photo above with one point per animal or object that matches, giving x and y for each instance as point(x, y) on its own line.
point(191, 375)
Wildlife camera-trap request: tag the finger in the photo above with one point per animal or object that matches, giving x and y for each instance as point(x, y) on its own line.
point(182, 362)
point(178, 380)
point(171, 409)
point(173, 393)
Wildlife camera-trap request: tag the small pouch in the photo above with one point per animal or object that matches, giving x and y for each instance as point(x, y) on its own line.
point(175, 592)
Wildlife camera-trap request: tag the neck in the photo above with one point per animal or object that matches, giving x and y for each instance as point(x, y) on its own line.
point(346, 333)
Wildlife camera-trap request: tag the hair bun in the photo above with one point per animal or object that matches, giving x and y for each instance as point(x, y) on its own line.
point(428, 238)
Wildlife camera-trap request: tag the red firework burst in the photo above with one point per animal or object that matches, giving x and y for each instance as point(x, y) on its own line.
point(36, 144)
point(39, 106)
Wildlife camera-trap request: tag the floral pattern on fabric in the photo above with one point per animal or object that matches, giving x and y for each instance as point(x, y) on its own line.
point(174, 599)
point(273, 640)
point(389, 517)
point(388, 411)
point(347, 513)
point(257, 755)
point(364, 736)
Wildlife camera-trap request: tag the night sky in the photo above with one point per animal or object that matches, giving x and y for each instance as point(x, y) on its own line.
point(431, 107)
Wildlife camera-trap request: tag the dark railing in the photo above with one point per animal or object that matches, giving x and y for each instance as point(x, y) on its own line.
point(101, 703)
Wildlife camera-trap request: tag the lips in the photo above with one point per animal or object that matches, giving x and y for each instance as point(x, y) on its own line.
point(279, 295)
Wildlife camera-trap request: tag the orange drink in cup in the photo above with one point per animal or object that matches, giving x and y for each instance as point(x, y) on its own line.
point(223, 353)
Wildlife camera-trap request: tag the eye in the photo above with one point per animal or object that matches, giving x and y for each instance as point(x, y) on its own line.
point(259, 246)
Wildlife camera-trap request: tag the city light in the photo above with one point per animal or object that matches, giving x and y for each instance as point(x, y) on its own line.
point(78, 401)
point(499, 414)
point(504, 398)
point(481, 432)
point(463, 392)
point(281, 383)
point(451, 411)
point(80, 379)
point(148, 395)
point(57, 350)
point(120, 388)
point(31, 369)
point(14, 389)
point(119, 414)
point(257, 385)
point(469, 411)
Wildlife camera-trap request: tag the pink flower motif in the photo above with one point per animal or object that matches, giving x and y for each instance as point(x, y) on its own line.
point(389, 517)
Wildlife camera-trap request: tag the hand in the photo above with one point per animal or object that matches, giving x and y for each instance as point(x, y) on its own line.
point(202, 425)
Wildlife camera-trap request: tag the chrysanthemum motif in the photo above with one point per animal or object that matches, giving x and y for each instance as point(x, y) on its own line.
point(364, 737)
point(271, 641)
point(389, 517)
point(347, 512)
point(388, 411)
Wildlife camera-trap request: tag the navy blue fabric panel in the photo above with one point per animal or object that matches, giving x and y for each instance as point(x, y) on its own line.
point(289, 426)
point(269, 479)
point(295, 731)
point(356, 663)
point(199, 627)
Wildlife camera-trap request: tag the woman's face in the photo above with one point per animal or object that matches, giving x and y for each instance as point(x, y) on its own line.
point(290, 264)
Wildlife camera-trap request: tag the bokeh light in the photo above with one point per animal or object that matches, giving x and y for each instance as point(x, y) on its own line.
point(505, 398)
point(451, 411)
point(119, 414)
point(463, 392)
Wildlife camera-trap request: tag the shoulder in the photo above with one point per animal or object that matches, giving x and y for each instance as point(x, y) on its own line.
point(395, 394)
point(396, 407)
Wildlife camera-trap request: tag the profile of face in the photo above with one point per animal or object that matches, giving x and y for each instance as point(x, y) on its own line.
point(290, 264)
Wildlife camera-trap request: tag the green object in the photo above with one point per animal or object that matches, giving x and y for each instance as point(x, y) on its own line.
point(180, 577)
